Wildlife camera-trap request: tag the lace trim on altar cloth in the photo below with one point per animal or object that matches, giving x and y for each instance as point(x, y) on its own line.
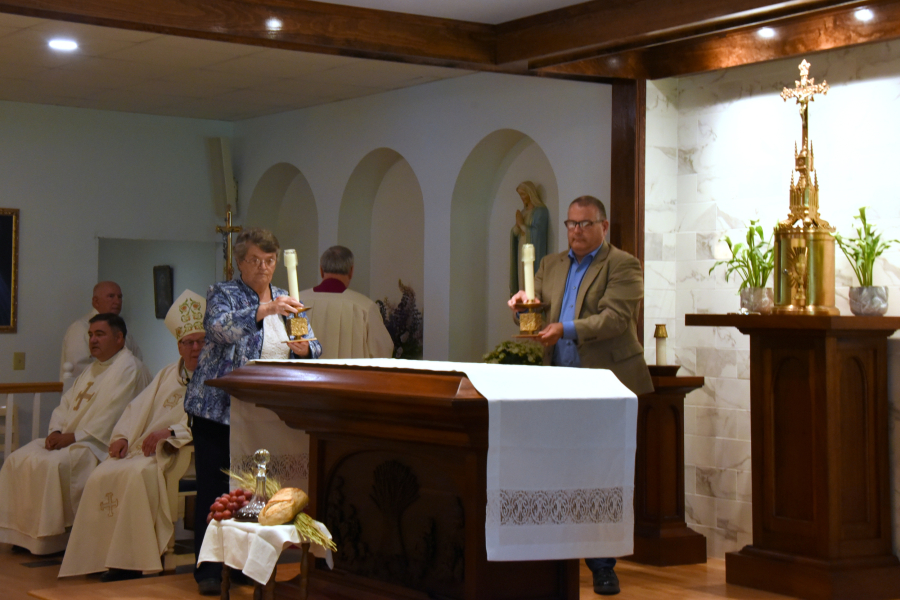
point(284, 468)
point(555, 507)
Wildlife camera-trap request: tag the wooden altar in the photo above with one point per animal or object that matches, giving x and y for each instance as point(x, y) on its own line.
point(819, 433)
point(661, 536)
point(398, 474)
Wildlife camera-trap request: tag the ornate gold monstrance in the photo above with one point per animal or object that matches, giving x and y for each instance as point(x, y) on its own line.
point(804, 246)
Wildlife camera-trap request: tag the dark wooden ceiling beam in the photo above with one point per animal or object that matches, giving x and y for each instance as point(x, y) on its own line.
point(598, 40)
point(307, 26)
point(821, 30)
point(587, 29)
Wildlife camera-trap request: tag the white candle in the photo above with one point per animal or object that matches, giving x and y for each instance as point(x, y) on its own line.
point(661, 351)
point(290, 261)
point(528, 260)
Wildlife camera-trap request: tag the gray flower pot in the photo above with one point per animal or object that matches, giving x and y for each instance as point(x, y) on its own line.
point(869, 301)
point(757, 300)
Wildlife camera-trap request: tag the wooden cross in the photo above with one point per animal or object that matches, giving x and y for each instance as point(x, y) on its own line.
point(804, 92)
point(226, 232)
point(110, 504)
point(84, 395)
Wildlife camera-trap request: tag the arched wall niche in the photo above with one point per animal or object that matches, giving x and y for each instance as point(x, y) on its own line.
point(482, 215)
point(382, 220)
point(283, 202)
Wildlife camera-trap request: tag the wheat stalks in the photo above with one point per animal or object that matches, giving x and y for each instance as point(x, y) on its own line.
point(306, 527)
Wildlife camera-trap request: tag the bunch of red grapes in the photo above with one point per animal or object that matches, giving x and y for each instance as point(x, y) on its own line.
point(227, 504)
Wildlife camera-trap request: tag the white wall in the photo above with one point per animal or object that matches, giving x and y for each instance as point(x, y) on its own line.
point(398, 237)
point(130, 263)
point(719, 153)
point(78, 175)
point(435, 127)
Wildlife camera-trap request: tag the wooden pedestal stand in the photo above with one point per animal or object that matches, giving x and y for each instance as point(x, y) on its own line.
point(819, 431)
point(661, 537)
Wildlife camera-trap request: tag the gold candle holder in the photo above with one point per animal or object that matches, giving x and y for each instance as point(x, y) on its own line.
point(531, 318)
point(297, 325)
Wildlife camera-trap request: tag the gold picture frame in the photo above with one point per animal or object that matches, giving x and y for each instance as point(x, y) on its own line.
point(9, 269)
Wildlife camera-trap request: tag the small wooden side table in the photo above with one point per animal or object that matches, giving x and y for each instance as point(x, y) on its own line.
point(661, 536)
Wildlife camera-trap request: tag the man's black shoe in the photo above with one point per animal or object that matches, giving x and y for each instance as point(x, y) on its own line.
point(210, 587)
point(120, 575)
point(605, 582)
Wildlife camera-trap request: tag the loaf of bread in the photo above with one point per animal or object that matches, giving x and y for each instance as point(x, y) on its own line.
point(283, 506)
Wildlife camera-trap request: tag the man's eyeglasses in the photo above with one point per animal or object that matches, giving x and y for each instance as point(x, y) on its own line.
point(570, 225)
point(259, 262)
point(187, 343)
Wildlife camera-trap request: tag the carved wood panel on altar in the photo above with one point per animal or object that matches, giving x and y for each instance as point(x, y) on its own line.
point(395, 517)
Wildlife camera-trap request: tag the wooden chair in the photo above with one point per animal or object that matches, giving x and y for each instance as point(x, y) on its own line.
point(9, 427)
point(180, 484)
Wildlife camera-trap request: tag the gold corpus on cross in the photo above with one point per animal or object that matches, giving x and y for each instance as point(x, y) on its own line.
point(805, 192)
point(83, 395)
point(109, 505)
point(226, 232)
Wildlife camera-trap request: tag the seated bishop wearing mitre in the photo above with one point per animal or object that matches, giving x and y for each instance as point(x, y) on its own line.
point(124, 523)
point(41, 483)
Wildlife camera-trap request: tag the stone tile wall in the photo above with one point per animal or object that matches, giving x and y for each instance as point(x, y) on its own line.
point(719, 153)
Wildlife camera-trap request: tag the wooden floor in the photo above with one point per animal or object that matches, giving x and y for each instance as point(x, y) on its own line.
point(24, 573)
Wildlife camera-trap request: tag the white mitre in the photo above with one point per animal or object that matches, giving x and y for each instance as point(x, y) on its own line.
point(186, 315)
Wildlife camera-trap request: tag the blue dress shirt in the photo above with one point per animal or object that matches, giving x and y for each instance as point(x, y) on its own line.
point(565, 353)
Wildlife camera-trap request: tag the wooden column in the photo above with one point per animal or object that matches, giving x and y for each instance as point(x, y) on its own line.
point(819, 432)
point(661, 536)
point(626, 194)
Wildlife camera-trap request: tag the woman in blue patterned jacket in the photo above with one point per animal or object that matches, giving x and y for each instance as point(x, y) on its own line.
point(244, 322)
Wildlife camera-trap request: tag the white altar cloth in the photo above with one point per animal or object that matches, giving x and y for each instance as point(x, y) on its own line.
point(254, 548)
point(560, 466)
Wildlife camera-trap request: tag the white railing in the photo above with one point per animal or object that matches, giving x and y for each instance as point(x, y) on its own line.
point(10, 390)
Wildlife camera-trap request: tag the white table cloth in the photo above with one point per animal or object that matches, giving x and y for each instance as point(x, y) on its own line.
point(560, 466)
point(254, 548)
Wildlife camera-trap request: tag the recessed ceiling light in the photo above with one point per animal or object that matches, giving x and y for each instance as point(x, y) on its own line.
point(864, 14)
point(274, 24)
point(63, 45)
point(766, 32)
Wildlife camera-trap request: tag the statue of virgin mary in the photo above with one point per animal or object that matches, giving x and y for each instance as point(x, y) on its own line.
point(532, 224)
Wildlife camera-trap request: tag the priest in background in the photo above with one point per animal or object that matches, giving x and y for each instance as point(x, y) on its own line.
point(349, 325)
point(75, 351)
point(125, 522)
point(41, 483)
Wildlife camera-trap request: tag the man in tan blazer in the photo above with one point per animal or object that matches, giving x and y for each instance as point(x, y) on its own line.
point(592, 294)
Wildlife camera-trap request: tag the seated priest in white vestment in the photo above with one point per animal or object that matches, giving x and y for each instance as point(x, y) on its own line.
point(125, 523)
point(348, 324)
point(75, 351)
point(41, 483)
